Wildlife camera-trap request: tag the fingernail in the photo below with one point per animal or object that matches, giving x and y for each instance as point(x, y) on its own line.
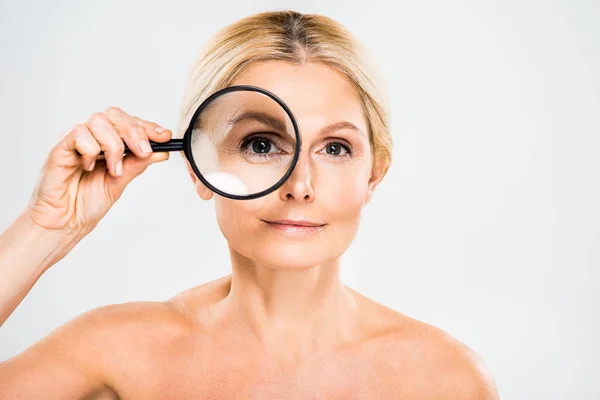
point(119, 168)
point(160, 129)
point(91, 167)
point(145, 147)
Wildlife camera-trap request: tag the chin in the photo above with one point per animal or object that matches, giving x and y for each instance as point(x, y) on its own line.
point(282, 250)
point(294, 256)
point(288, 248)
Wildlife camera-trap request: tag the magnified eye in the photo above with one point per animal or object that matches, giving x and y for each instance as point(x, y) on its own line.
point(259, 145)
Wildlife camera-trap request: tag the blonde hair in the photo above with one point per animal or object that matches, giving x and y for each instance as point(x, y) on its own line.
point(297, 38)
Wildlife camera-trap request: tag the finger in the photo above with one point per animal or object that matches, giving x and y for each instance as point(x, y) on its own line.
point(109, 140)
point(75, 147)
point(132, 167)
point(130, 131)
point(154, 131)
point(87, 146)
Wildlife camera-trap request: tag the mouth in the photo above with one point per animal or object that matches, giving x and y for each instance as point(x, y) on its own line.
point(295, 227)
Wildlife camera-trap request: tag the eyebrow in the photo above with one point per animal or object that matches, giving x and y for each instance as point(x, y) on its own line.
point(342, 125)
point(276, 124)
point(261, 117)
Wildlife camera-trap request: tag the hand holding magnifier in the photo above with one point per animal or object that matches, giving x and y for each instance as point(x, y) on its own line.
point(242, 142)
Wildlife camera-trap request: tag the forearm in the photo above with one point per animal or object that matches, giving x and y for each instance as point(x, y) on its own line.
point(26, 252)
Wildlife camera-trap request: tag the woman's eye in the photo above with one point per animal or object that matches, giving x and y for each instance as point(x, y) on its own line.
point(260, 146)
point(337, 149)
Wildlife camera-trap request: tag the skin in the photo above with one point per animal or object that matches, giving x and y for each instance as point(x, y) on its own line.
point(282, 325)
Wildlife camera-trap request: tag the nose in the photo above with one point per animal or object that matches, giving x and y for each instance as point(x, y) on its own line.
point(299, 185)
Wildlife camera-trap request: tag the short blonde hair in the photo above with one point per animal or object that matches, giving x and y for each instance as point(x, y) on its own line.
point(297, 38)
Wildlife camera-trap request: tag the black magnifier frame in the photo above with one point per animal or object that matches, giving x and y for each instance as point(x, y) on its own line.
point(185, 144)
point(187, 141)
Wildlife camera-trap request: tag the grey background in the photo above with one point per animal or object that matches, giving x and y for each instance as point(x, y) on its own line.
point(487, 225)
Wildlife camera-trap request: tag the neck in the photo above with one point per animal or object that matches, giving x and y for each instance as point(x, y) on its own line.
point(284, 308)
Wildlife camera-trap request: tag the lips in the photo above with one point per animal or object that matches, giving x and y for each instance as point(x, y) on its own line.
point(290, 222)
point(295, 227)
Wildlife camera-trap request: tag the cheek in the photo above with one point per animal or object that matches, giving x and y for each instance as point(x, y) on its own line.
point(236, 217)
point(342, 189)
point(340, 192)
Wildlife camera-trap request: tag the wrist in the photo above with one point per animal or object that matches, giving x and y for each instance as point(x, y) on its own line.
point(44, 246)
point(27, 250)
point(36, 219)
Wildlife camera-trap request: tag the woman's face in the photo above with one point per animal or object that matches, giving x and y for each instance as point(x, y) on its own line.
point(330, 184)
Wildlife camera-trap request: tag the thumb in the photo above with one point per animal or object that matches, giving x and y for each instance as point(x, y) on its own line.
point(132, 167)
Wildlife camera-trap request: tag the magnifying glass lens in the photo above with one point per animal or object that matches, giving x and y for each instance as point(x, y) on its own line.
point(243, 142)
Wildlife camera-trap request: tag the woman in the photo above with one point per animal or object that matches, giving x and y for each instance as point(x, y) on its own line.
point(282, 325)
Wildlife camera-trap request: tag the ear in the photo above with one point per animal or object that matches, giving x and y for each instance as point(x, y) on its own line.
point(377, 173)
point(204, 192)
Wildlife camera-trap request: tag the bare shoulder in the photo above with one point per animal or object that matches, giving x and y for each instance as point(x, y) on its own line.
point(97, 339)
point(91, 353)
point(437, 364)
point(139, 325)
point(140, 321)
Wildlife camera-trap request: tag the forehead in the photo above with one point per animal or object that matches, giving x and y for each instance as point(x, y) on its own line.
point(317, 94)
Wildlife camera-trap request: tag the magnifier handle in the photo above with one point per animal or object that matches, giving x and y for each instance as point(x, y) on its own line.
point(171, 145)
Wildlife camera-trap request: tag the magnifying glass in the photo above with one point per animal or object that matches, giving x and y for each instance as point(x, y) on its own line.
point(242, 142)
